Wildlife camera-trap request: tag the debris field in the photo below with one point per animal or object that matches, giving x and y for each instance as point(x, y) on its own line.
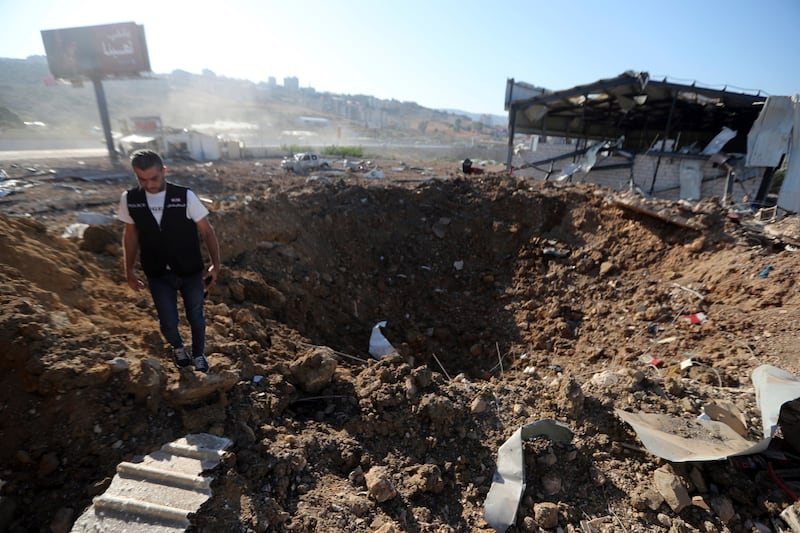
point(507, 300)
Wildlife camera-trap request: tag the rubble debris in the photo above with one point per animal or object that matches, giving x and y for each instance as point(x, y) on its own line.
point(379, 484)
point(656, 209)
point(671, 488)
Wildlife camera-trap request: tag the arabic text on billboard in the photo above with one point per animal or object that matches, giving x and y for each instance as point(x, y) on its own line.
point(110, 49)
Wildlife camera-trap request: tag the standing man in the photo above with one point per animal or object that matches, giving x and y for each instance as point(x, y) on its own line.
point(162, 221)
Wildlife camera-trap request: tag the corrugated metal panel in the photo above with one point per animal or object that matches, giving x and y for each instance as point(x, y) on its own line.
point(157, 493)
point(768, 139)
point(789, 195)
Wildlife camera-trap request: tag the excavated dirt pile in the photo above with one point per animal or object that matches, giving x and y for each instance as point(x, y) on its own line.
point(508, 301)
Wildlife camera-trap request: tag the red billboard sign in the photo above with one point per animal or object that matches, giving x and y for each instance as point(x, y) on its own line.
point(97, 51)
point(146, 124)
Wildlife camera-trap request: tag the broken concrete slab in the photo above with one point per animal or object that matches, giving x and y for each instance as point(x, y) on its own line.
point(658, 210)
point(157, 492)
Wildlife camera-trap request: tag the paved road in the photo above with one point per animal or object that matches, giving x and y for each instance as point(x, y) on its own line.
point(22, 155)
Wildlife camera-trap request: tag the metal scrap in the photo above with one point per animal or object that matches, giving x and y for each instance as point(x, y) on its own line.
point(508, 483)
point(679, 440)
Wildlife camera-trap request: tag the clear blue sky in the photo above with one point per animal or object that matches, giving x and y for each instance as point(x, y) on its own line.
point(453, 54)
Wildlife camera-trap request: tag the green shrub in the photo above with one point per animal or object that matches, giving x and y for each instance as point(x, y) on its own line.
point(777, 180)
point(295, 148)
point(9, 119)
point(343, 151)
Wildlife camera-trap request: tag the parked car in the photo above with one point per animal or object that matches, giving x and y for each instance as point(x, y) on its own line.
point(303, 162)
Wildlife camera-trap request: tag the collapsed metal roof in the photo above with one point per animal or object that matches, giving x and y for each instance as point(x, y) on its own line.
point(633, 105)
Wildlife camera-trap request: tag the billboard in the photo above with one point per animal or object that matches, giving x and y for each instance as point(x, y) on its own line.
point(146, 124)
point(113, 50)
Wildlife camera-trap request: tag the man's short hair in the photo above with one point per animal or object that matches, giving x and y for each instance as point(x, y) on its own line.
point(146, 158)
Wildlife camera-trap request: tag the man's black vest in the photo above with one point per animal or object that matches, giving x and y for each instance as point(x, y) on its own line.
point(175, 243)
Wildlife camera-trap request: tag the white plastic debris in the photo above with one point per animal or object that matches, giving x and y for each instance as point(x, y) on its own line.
point(375, 174)
point(321, 179)
point(379, 346)
point(94, 219)
point(774, 387)
point(584, 164)
point(508, 483)
point(606, 378)
point(74, 230)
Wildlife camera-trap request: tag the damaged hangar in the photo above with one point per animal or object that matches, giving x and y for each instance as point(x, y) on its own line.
point(658, 137)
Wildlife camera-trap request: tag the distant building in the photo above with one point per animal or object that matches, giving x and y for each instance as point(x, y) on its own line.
point(313, 121)
point(291, 83)
point(272, 82)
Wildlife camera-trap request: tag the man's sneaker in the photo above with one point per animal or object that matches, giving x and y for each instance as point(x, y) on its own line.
point(201, 364)
point(181, 357)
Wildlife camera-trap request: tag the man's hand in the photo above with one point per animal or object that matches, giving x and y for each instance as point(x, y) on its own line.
point(130, 246)
point(210, 238)
point(210, 278)
point(133, 282)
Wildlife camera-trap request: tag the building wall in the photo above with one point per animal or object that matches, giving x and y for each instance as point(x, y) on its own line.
point(198, 146)
point(667, 179)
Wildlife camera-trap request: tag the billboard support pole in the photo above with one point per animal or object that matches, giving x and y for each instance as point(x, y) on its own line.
point(102, 105)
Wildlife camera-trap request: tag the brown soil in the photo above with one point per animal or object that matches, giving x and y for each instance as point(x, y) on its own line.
point(503, 297)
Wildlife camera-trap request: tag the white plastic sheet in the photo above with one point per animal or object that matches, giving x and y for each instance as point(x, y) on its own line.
point(379, 346)
point(508, 483)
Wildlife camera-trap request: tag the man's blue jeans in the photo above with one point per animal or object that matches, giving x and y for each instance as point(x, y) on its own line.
point(164, 290)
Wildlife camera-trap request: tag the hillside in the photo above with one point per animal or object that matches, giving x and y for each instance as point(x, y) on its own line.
point(256, 112)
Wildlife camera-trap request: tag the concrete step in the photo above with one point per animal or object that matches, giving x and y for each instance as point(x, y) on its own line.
point(156, 493)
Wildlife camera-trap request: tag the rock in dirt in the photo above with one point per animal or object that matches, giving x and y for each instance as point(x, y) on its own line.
point(379, 484)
